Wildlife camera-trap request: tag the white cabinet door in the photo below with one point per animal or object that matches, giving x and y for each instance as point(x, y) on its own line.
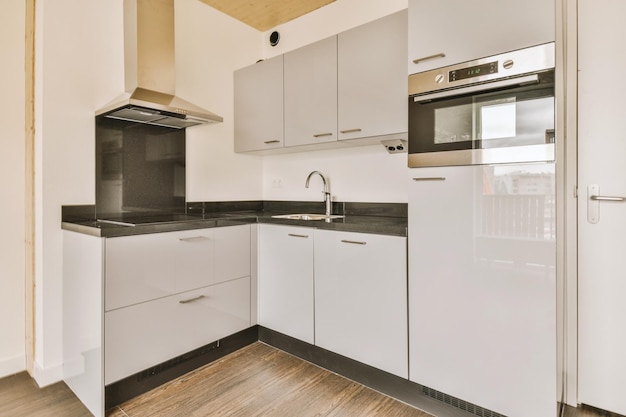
point(311, 94)
point(232, 252)
point(372, 84)
point(145, 267)
point(361, 298)
point(601, 223)
point(448, 32)
point(259, 106)
point(286, 280)
point(482, 285)
point(146, 334)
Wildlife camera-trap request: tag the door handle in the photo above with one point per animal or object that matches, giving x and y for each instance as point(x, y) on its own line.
point(593, 203)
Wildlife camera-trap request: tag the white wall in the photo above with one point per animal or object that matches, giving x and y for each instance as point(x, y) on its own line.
point(12, 183)
point(365, 173)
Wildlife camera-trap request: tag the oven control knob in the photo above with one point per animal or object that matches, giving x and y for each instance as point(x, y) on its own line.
point(508, 64)
point(439, 78)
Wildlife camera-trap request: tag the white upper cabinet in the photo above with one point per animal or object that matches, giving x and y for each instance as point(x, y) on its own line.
point(311, 94)
point(259, 106)
point(448, 32)
point(372, 84)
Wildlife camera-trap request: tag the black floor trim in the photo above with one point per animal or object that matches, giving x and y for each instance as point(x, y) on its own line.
point(150, 378)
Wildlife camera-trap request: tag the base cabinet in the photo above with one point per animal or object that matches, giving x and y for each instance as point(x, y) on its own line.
point(344, 292)
point(286, 280)
point(133, 302)
point(361, 298)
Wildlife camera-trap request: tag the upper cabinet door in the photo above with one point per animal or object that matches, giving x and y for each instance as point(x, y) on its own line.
point(448, 32)
point(372, 87)
point(259, 106)
point(311, 94)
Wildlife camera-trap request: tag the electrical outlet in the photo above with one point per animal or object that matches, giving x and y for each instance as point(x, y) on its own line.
point(277, 183)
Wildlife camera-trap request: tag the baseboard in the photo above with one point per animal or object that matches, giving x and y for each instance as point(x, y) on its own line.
point(47, 376)
point(13, 365)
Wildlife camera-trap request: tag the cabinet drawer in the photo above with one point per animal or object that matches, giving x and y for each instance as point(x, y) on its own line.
point(146, 334)
point(145, 267)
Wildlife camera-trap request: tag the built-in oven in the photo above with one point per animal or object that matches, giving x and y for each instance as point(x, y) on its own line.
point(498, 109)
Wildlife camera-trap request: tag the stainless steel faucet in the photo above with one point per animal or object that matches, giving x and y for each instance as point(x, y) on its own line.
point(327, 198)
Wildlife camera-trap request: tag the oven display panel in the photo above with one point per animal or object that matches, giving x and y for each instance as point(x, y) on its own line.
point(475, 71)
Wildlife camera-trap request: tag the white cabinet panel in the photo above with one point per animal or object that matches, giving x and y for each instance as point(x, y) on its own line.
point(466, 30)
point(83, 310)
point(259, 106)
point(482, 286)
point(286, 280)
point(310, 83)
point(232, 252)
point(361, 298)
point(145, 267)
point(372, 83)
point(146, 334)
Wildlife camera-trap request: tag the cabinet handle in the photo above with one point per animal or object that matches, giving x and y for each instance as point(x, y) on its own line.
point(354, 242)
point(295, 235)
point(430, 179)
point(191, 300)
point(351, 130)
point(193, 239)
point(429, 57)
point(267, 142)
point(319, 135)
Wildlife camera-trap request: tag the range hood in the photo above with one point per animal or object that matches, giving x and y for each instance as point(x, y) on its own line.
point(149, 71)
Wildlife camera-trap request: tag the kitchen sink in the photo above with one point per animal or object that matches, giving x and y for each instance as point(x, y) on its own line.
point(307, 216)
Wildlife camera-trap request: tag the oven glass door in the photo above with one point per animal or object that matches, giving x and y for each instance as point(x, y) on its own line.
point(470, 128)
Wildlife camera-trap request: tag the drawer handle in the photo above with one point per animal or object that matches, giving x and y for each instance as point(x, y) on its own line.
point(191, 300)
point(429, 57)
point(295, 235)
point(429, 179)
point(267, 142)
point(319, 135)
point(351, 130)
point(194, 239)
point(354, 242)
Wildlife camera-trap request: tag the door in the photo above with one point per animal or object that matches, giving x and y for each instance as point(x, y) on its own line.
point(602, 223)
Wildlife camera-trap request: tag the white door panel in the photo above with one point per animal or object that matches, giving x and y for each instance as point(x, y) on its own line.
point(602, 223)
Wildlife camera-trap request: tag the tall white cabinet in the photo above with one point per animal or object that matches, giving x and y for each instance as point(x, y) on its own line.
point(482, 286)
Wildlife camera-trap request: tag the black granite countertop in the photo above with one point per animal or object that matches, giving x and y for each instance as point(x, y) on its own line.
point(378, 218)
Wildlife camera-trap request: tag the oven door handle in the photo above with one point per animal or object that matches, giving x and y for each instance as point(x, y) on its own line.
point(528, 79)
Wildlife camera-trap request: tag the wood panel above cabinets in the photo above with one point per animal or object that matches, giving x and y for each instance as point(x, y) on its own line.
point(345, 90)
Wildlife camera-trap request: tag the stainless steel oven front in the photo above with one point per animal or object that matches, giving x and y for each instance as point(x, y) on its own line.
point(498, 109)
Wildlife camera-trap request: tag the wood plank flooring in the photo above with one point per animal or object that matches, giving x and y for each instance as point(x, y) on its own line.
point(262, 381)
point(255, 381)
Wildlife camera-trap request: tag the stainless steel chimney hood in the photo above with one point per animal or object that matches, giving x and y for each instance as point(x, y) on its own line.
point(149, 71)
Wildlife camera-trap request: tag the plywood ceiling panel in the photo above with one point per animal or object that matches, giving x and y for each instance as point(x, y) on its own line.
point(266, 14)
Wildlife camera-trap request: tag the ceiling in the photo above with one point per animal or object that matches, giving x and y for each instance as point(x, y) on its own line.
point(266, 14)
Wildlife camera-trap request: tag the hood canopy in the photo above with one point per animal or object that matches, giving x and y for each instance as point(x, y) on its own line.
point(149, 71)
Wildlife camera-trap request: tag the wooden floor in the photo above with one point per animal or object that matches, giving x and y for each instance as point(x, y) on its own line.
point(255, 381)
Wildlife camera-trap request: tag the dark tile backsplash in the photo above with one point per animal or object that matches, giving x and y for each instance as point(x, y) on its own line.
point(139, 168)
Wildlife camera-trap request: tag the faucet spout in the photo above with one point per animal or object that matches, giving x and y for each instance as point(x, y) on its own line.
point(326, 191)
